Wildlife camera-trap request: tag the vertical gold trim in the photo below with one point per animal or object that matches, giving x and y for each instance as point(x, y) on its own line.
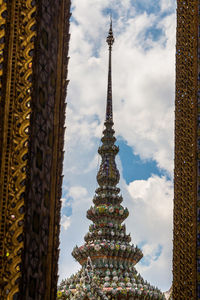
point(13, 174)
point(6, 152)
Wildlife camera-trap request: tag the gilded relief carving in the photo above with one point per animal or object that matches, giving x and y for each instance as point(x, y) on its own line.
point(31, 144)
point(17, 107)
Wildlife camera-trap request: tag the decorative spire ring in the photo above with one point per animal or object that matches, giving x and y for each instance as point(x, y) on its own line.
point(110, 38)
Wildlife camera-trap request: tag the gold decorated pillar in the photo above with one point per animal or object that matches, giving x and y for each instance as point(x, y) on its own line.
point(185, 254)
point(34, 38)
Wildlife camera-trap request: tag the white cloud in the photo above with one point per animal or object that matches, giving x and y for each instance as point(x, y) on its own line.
point(150, 219)
point(77, 191)
point(65, 222)
point(167, 5)
point(143, 76)
point(147, 91)
point(73, 229)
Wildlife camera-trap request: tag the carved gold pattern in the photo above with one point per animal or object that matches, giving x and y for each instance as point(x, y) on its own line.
point(185, 174)
point(3, 13)
point(59, 129)
point(58, 153)
point(46, 152)
point(17, 111)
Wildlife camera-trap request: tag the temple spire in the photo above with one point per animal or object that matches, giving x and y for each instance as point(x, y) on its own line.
point(110, 41)
point(107, 257)
point(108, 174)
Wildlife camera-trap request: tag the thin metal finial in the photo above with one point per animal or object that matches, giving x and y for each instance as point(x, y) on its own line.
point(110, 40)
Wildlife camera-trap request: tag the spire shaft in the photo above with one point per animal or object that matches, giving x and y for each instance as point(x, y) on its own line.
point(108, 174)
point(110, 41)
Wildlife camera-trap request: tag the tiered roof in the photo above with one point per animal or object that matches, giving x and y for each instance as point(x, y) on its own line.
point(107, 258)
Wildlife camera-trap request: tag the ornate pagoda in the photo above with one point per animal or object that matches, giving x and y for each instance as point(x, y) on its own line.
point(107, 258)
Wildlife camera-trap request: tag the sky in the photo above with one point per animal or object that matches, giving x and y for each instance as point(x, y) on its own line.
point(143, 75)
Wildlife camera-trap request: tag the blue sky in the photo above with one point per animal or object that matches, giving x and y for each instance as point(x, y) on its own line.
point(133, 167)
point(143, 96)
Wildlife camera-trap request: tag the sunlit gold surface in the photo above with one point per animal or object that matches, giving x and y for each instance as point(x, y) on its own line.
point(15, 135)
